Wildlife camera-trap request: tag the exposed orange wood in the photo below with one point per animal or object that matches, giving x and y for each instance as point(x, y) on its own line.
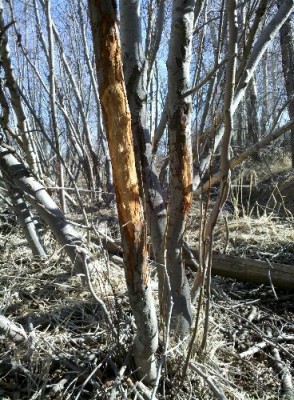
point(117, 119)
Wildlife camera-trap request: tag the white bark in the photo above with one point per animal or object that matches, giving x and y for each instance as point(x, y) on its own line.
point(36, 194)
point(27, 222)
point(52, 80)
point(179, 130)
point(13, 331)
point(136, 70)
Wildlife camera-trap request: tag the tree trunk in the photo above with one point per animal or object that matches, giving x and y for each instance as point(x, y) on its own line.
point(249, 270)
point(229, 90)
point(117, 119)
point(287, 48)
point(135, 71)
point(27, 222)
point(36, 194)
point(180, 185)
point(56, 131)
point(252, 116)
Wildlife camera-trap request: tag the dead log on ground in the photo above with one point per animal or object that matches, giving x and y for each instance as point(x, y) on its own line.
point(253, 271)
point(243, 269)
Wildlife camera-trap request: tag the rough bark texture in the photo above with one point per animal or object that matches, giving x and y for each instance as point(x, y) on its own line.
point(287, 47)
point(180, 189)
point(133, 229)
point(135, 71)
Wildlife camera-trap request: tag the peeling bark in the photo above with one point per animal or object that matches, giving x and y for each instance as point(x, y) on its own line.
point(117, 120)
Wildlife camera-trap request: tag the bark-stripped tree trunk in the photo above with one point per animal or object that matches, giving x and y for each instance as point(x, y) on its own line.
point(136, 68)
point(115, 108)
point(179, 131)
point(109, 196)
point(287, 48)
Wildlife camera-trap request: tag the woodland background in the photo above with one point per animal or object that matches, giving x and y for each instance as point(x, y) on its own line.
point(146, 162)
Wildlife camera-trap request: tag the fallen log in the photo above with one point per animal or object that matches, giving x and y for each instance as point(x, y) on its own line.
point(255, 271)
point(249, 270)
point(243, 269)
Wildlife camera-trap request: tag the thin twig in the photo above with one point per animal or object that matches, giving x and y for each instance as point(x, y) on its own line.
point(167, 336)
point(285, 374)
point(270, 278)
point(267, 342)
point(120, 375)
point(84, 256)
point(217, 390)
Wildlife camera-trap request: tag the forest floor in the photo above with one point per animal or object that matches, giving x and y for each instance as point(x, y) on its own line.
point(72, 354)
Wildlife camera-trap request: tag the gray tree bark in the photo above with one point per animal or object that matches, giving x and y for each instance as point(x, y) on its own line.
point(26, 221)
point(252, 114)
point(287, 48)
point(56, 131)
point(38, 197)
point(180, 179)
point(136, 71)
point(24, 139)
point(207, 241)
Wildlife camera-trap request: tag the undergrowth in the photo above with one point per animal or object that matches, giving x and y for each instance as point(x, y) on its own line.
point(71, 352)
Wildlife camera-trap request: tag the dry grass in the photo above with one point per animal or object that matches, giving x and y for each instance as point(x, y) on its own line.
point(71, 346)
point(71, 353)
